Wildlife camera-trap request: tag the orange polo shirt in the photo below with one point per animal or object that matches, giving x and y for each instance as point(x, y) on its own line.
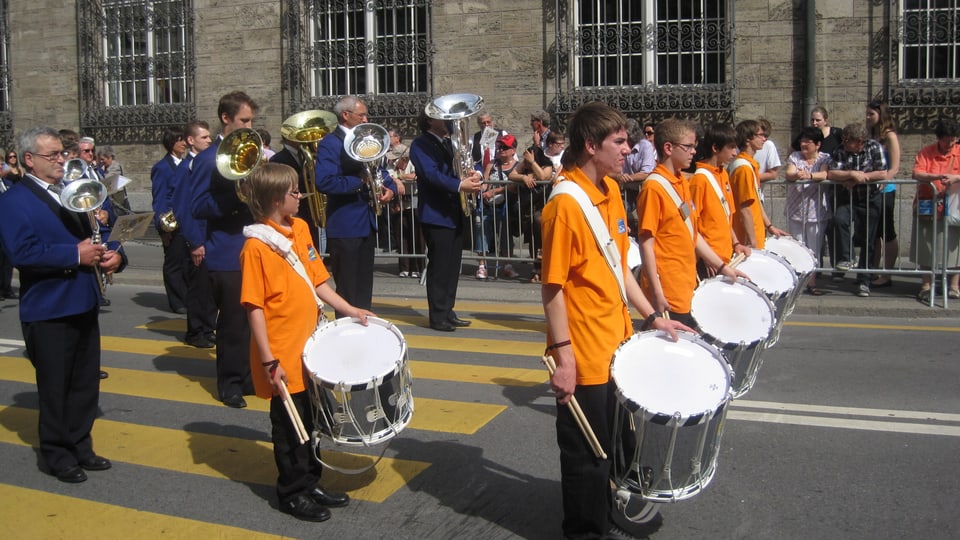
point(289, 306)
point(743, 180)
point(673, 245)
point(597, 317)
point(714, 224)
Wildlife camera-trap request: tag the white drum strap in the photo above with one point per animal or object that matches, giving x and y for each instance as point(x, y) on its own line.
point(283, 247)
point(682, 207)
point(740, 162)
point(712, 180)
point(600, 233)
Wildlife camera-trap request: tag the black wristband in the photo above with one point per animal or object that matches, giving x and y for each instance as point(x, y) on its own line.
point(648, 322)
point(722, 266)
point(557, 345)
point(271, 365)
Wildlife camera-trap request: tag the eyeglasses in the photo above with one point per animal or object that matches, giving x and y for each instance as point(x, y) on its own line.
point(648, 133)
point(52, 156)
point(361, 115)
point(502, 147)
point(687, 147)
point(11, 156)
point(86, 150)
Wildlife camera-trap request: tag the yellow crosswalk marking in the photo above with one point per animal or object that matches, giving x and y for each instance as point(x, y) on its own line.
point(430, 414)
point(216, 456)
point(29, 513)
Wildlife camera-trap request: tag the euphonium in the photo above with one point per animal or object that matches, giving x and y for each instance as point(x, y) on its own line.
point(75, 169)
point(238, 154)
point(457, 108)
point(308, 128)
point(368, 144)
point(86, 197)
point(168, 221)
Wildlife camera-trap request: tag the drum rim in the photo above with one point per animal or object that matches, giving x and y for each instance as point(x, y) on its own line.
point(661, 418)
point(716, 341)
point(785, 263)
point(396, 367)
point(786, 240)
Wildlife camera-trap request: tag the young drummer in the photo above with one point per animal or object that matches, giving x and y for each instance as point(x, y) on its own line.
point(283, 312)
point(712, 196)
point(750, 220)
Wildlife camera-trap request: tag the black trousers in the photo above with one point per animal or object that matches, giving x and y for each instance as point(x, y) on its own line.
point(351, 262)
point(175, 261)
point(444, 254)
point(233, 336)
point(6, 274)
point(201, 309)
point(297, 468)
point(585, 478)
point(858, 220)
point(66, 355)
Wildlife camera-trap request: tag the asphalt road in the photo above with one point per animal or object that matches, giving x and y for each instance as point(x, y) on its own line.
point(851, 431)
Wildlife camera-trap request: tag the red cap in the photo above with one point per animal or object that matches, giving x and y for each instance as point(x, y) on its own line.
point(507, 140)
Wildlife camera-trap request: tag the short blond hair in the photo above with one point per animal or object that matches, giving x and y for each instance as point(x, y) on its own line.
point(266, 186)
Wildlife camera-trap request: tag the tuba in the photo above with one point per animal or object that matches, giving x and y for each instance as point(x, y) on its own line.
point(238, 154)
point(368, 144)
point(86, 197)
point(308, 128)
point(457, 108)
point(75, 169)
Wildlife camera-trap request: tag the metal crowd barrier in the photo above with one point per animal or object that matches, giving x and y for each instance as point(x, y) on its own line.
point(508, 231)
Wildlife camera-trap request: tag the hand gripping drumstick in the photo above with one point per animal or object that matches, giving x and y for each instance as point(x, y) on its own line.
point(288, 404)
point(736, 259)
point(578, 415)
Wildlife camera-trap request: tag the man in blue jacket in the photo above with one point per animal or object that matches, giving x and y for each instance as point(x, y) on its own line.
point(60, 298)
point(174, 258)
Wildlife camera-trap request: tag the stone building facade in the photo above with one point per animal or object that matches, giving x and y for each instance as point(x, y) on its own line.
point(76, 64)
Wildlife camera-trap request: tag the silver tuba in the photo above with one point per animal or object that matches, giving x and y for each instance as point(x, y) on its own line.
point(308, 128)
point(457, 108)
point(86, 197)
point(368, 144)
point(238, 154)
point(75, 169)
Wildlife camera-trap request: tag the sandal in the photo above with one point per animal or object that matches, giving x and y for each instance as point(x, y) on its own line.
point(535, 278)
point(953, 293)
point(881, 282)
point(924, 295)
point(813, 291)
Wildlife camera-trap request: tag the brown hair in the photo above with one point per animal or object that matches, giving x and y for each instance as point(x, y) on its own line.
point(593, 121)
point(670, 131)
point(266, 186)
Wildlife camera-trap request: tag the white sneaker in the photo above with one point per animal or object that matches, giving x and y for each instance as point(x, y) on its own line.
point(482, 272)
point(509, 272)
point(404, 274)
point(415, 275)
point(863, 291)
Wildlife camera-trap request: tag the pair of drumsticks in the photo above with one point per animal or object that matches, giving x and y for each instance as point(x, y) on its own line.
point(295, 419)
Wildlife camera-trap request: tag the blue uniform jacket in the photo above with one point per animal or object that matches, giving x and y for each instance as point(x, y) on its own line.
point(161, 179)
point(194, 230)
point(349, 214)
point(215, 200)
point(40, 238)
point(437, 185)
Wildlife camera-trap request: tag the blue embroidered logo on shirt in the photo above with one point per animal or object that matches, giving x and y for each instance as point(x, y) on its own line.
point(621, 226)
point(311, 253)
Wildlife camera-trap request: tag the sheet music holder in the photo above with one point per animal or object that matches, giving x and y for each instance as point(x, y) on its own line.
point(131, 226)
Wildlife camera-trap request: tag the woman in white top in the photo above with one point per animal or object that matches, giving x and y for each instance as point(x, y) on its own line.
point(806, 209)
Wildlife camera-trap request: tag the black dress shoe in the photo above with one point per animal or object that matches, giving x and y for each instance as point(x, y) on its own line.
point(104, 374)
point(95, 463)
point(180, 310)
point(72, 475)
point(104, 301)
point(330, 499)
point(11, 295)
point(303, 507)
point(457, 321)
point(443, 326)
point(235, 401)
point(200, 342)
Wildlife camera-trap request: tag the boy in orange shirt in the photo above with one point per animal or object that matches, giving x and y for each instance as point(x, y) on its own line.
point(283, 314)
point(750, 221)
point(667, 230)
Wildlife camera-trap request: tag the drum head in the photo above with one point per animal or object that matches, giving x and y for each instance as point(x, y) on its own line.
point(800, 257)
point(345, 351)
point(732, 312)
point(770, 272)
point(688, 378)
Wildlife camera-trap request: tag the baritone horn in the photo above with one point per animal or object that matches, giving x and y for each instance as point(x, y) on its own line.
point(307, 128)
point(457, 108)
point(368, 144)
point(86, 197)
point(75, 169)
point(238, 154)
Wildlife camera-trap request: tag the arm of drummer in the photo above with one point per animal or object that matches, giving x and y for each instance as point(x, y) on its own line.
point(639, 301)
point(258, 330)
point(564, 379)
point(334, 300)
point(711, 259)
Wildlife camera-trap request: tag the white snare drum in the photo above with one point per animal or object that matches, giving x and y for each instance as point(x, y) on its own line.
point(798, 256)
point(776, 278)
point(361, 385)
point(673, 400)
point(737, 318)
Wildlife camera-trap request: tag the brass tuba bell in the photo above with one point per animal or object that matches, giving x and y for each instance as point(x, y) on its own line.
point(308, 128)
point(368, 144)
point(457, 108)
point(86, 196)
point(238, 154)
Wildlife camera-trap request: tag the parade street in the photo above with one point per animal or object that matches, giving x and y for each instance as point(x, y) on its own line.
point(852, 431)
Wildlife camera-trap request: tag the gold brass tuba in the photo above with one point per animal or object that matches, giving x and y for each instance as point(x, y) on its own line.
point(457, 108)
point(368, 144)
point(238, 154)
point(86, 197)
point(308, 128)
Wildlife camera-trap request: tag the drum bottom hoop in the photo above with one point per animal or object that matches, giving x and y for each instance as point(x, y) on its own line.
point(361, 418)
point(745, 363)
point(665, 464)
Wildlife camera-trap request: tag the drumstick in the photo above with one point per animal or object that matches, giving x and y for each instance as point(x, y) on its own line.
point(736, 260)
point(578, 415)
point(288, 404)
